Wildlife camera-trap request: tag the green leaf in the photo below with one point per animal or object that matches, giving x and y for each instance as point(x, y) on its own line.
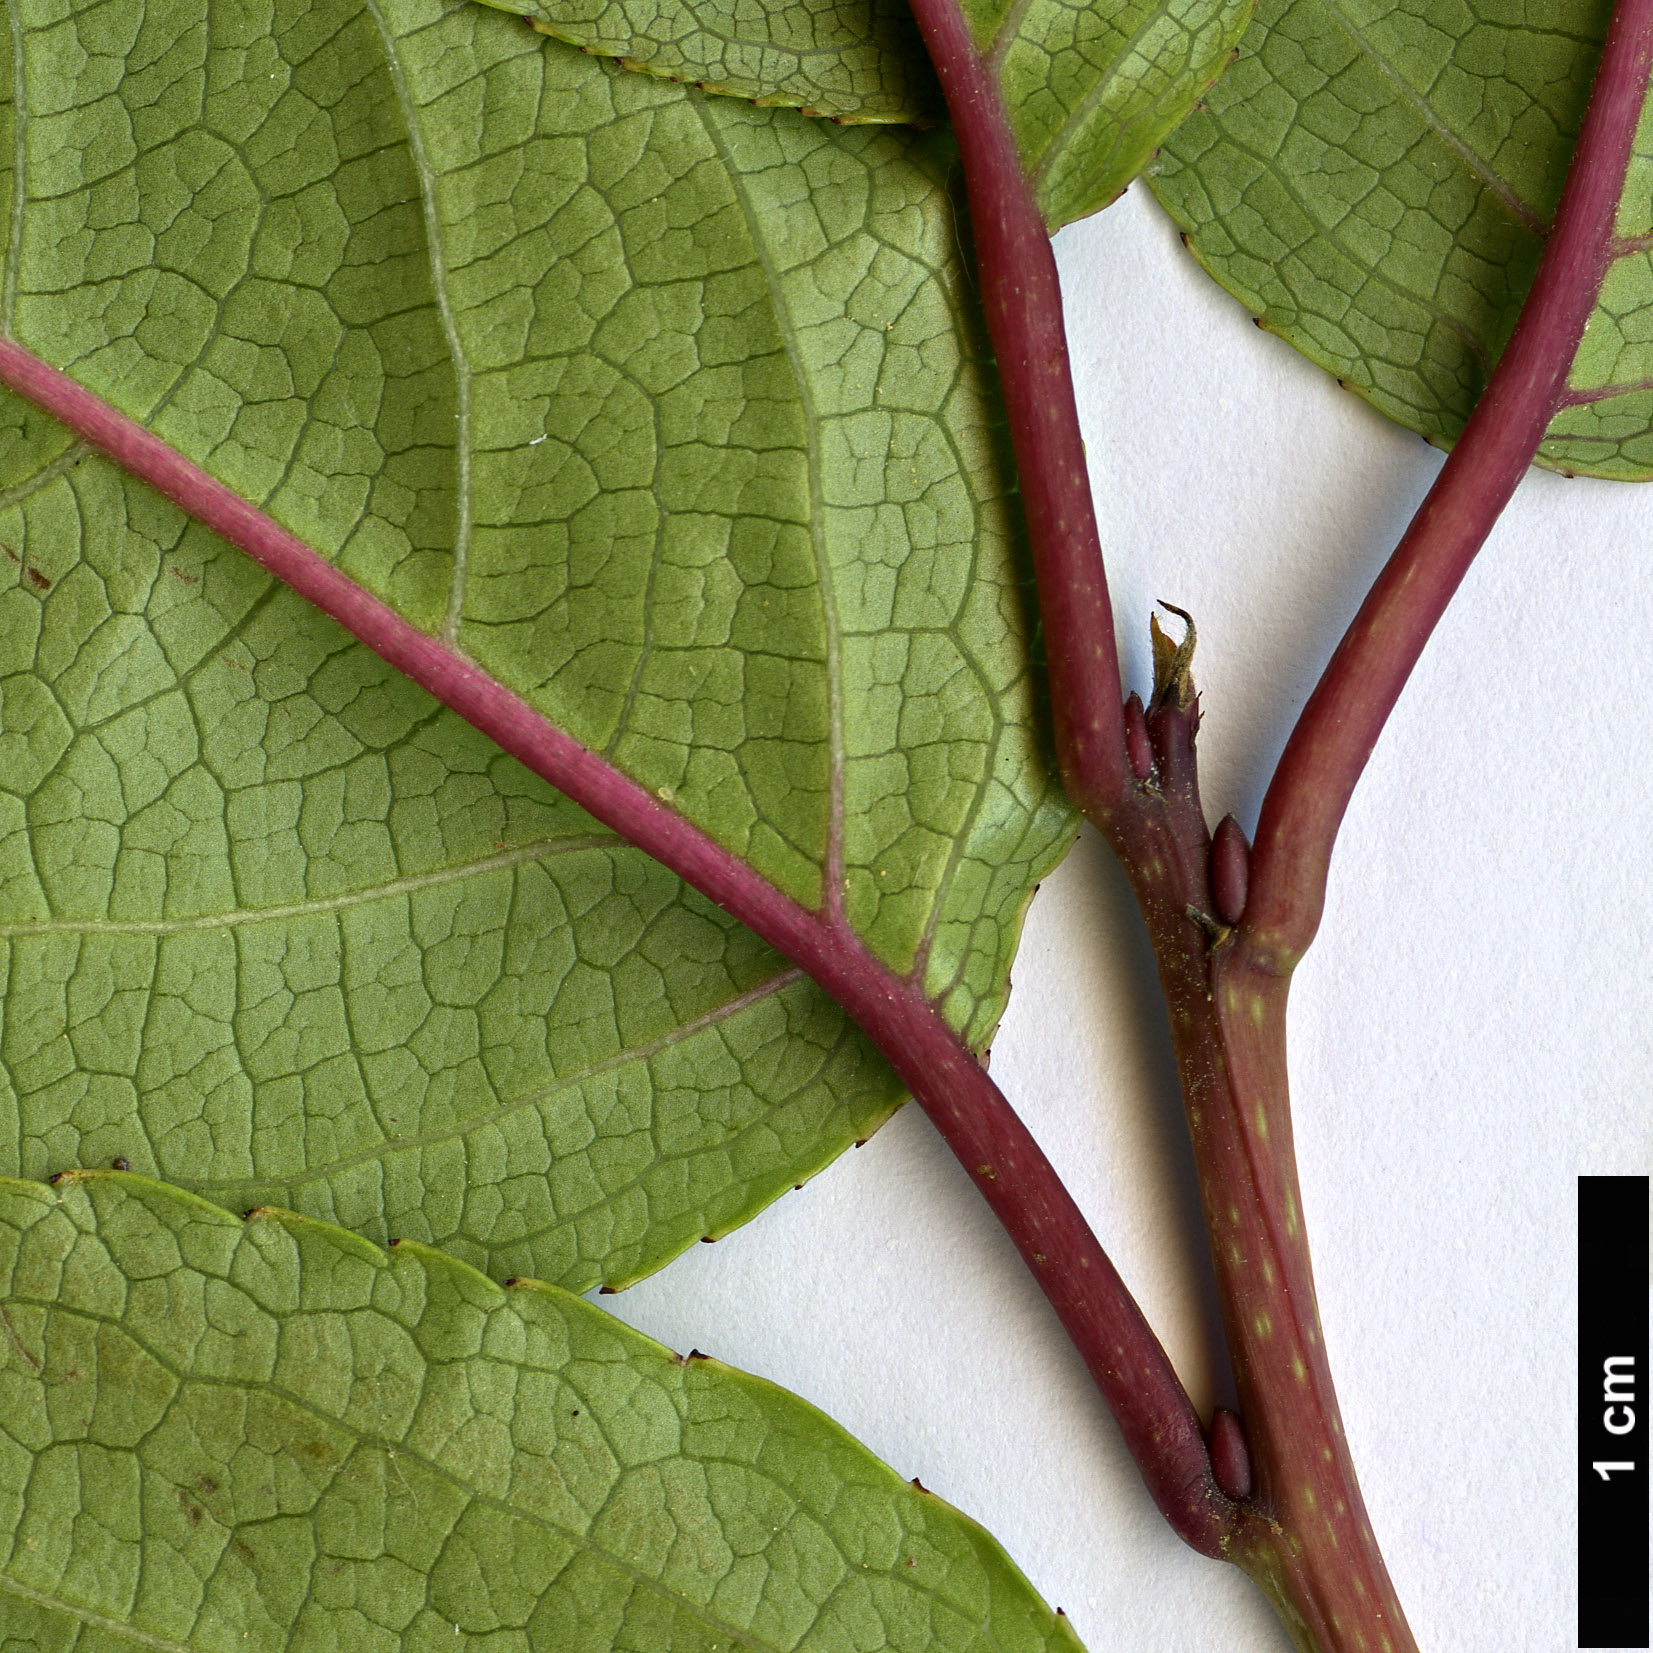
point(670, 410)
point(246, 1436)
point(1091, 88)
point(1374, 183)
point(851, 60)
point(281, 928)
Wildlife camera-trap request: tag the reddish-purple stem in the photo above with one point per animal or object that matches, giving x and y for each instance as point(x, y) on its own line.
point(1303, 1532)
point(1334, 737)
point(1126, 1360)
point(1023, 305)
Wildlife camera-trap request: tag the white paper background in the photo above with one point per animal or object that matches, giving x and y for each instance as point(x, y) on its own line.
point(1473, 1029)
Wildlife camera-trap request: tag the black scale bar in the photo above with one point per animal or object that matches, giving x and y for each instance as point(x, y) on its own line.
point(1615, 1398)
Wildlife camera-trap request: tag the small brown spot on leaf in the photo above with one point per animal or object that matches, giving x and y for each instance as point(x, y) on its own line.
point(121, 1164)
point(32, 575)
point(206, 1485)
point(179, 574)
point(17, 1342)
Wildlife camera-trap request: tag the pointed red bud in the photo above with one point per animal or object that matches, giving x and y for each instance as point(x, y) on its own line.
point(1230, 869)
point(1138, 748)
point(1230, 1457)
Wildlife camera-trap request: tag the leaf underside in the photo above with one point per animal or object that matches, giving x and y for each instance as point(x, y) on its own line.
point(1090, 89)
point(306, 938)
point(670, 411)
point(237, 1437)
point(848, 60)
point(1374, 183)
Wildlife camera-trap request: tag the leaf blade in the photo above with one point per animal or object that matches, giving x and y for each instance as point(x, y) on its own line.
point(329, 1439)
point(849, 62)
point(449, 1002)
point(1401, 271)
point(323, 1075)
point(1091, 90)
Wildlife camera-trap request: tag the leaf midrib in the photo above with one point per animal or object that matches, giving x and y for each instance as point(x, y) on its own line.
point(1333, 234)
point(244, 916)
point(392, 1449)
point(117, 1628)
point(681, 1033)
point(1056, 146)
point(451, 338)
point(832, 864)
point(1527, 216)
